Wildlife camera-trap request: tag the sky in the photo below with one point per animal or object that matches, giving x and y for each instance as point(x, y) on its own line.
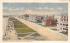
point(35, 5)
point(63, 6)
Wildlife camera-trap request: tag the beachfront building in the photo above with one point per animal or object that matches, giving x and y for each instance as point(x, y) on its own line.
point(43, 16)
point(32, 18)
point(49, 21)
point(62, 23)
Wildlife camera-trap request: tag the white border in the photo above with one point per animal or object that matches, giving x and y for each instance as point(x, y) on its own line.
point(33, 1)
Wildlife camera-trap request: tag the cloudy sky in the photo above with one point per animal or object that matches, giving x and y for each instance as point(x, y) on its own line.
point(35, 5)
point(63, 6)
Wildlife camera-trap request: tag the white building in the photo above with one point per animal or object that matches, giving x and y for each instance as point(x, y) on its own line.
point(62, 23)
point(32, 18)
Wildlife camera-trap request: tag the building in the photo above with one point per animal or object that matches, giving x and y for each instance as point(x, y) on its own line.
point(62, 23)
point(49, 21)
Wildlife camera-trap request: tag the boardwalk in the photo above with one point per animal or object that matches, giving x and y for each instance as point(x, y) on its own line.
point(9, 34)
point(5, 22)
point(45, 32)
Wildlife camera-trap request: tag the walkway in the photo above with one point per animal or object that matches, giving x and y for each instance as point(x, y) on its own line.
point(45, 32)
